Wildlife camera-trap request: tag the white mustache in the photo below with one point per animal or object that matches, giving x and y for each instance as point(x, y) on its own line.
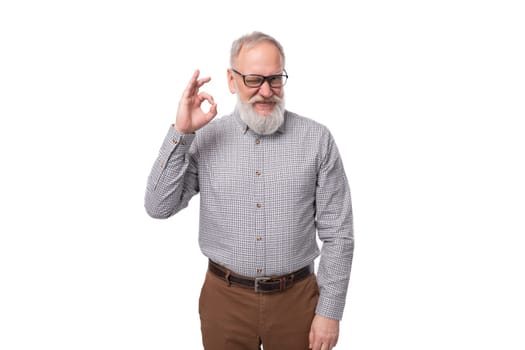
point(257, 98)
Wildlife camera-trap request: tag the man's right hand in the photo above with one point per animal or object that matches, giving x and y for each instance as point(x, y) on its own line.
point(190, 116)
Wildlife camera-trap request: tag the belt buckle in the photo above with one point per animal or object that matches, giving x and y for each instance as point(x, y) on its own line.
point(256, 284)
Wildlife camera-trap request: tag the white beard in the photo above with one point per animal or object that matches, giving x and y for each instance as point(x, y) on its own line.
point(262, 124)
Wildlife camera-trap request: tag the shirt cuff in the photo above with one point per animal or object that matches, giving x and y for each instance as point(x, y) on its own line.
point(178, 140)
point(330, 308)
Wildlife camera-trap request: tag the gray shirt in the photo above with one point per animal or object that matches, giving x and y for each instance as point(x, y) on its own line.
point(262, 199)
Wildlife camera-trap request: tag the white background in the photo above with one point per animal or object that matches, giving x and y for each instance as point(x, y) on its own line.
point(426, 103)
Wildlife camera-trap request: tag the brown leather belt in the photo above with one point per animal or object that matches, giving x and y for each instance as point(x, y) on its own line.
point(260, 284)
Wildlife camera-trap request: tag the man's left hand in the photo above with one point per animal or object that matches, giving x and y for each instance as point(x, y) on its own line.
point(324, 333)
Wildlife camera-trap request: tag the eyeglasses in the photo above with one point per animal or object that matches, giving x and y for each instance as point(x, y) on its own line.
point(256, 80)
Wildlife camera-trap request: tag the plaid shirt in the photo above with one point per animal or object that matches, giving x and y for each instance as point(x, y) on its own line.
point(262, 199)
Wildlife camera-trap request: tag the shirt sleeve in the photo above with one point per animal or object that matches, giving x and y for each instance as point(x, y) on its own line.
point(173, 180)
point(335, 229)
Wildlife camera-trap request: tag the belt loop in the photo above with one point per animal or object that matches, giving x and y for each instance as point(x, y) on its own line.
point(227, 278)
point(292, 280)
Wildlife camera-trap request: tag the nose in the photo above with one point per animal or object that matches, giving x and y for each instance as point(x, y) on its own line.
point(265, 90)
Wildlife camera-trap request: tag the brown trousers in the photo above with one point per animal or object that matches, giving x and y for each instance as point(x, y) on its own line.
point(236, 318)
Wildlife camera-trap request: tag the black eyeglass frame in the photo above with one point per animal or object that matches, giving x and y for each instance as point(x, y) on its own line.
point(268, 78)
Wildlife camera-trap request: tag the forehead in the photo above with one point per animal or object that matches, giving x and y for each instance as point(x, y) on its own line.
point(262, 58)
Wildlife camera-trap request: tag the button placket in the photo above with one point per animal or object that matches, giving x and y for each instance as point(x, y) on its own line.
point(259, 229)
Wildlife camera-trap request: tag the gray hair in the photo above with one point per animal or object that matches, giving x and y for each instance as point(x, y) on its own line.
point(250, 40)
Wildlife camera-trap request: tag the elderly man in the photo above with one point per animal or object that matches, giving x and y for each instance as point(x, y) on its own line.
point(269, 180)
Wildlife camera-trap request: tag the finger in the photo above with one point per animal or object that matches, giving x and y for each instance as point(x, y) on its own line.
point(329, 343)
point(206, 96)
point(203, 81)
point(310, 340)
point(212, 112)
point(192, 84)
point(316, 343)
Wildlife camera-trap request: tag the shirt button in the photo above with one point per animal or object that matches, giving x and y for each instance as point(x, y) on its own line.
point(257, 173)
point(259, 271)
point(259, 205)
point(259, 238)
point(175, 141)
point(183, 142)
point(257, 141)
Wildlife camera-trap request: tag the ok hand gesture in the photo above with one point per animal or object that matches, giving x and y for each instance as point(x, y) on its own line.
point(190, 116)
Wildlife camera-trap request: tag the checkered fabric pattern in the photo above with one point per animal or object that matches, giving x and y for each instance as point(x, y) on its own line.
point(262, 199)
